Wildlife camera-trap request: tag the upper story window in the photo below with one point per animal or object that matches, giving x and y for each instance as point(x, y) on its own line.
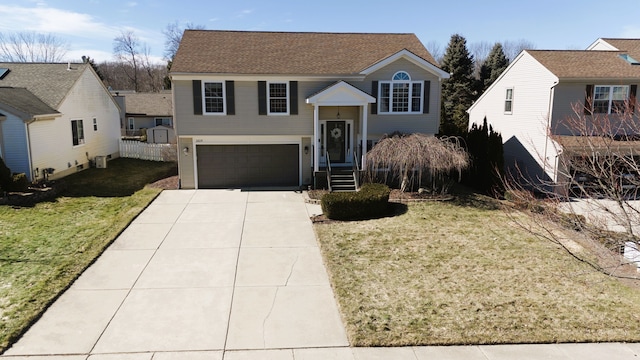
point(508, 101)
point(77, 132)
point(400, 95)
point(278, 98)
point(608, 99)
point(213, 97)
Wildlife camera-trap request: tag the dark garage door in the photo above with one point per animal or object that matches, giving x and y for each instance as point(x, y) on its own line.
point(227, 166)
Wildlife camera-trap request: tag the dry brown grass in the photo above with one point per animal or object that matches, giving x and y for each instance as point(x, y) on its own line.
point(444, 273)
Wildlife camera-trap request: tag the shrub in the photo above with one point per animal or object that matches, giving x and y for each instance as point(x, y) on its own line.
point(19, 182)
point(371, 201)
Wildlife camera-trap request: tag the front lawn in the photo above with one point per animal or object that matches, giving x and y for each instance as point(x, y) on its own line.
point(45, 247)
point(444, 273)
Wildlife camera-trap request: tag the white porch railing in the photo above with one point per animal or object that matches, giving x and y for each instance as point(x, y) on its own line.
point(145, 151)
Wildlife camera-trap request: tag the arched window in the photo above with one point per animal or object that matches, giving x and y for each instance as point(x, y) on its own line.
point(401, 76)
point(400, 95)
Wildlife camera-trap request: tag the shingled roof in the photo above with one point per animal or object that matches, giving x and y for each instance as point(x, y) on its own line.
point(587, 64)
point(48, 81)
point(289, 53)
point(629, 46)
point(24, 101)
point(149, 104)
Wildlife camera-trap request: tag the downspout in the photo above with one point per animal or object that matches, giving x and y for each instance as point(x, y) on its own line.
point(29, 161)
point(548, 131)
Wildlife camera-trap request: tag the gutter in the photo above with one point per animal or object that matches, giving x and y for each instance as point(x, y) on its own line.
point(548, 130)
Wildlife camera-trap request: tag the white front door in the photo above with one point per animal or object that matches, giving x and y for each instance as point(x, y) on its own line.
point(336, 140)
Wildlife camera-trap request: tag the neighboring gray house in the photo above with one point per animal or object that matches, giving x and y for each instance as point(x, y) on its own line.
point(268, 108)
point(540, 89)
point(55, 118)
point(143, 111)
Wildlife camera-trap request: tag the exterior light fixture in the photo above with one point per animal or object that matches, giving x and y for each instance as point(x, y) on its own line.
point(185, 150)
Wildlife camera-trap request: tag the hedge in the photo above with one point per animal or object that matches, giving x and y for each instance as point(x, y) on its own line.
point(371, 201)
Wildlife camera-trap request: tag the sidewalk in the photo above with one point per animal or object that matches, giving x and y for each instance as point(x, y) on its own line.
point(221, 274)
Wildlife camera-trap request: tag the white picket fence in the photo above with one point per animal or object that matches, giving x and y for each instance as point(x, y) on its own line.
point(145, 151)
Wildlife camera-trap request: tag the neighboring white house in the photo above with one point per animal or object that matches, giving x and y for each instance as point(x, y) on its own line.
point(55, 118)
point(540, 88)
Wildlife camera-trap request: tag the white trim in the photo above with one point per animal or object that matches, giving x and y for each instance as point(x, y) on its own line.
point(602, 42)
point(84, 136)
point(263, 77)
point(408, 55)
point(287, 100)
point(224, 98)
point(348, 151)
point(341, 94)
point(506, 91)
point(410, 96)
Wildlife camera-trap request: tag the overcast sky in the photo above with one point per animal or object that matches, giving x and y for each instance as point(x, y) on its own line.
point(90, 26)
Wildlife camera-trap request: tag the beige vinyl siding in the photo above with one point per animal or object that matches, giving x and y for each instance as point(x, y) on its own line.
point(524, 129)
point(246, 120)
point(380, 124)
point(186, 169)
point(568, 94)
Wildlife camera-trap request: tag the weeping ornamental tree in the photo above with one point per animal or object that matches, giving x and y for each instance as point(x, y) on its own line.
point(407, 158)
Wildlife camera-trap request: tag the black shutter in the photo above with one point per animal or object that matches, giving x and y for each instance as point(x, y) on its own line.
point(262, 98)
point(374, 93)
point(231, 98)
point(588, 100)
point(632, 97)
point(427, 95)
point(293, 98)
point(197, 97)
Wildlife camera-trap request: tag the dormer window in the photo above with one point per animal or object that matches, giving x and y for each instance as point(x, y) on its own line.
point(400, 95)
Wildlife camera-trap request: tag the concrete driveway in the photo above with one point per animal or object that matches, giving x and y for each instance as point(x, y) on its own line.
point(227, 275)
point(198, 272)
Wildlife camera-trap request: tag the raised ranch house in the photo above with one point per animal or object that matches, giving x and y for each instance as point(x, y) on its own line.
point(257, 109)
point(541, 88)
point(55, 119)
point(149, 113)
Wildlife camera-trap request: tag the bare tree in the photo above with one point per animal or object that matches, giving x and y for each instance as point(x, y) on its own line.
point(32, 47)
point(513, 47)
point(411, 156)
point(127, 48)
point(596, 187)
point(173, 35)
point(436, 50)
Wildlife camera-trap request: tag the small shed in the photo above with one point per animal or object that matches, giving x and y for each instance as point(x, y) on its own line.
point(161, 135)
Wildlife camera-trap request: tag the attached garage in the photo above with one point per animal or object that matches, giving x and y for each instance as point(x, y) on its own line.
point(234, 166)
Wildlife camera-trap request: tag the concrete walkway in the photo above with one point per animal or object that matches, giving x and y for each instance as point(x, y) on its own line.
point(221, 274)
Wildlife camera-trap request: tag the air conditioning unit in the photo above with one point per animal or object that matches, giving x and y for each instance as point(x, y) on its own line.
point(101, 162)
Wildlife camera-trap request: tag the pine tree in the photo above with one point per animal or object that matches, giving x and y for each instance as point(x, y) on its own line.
point(492, 68)
point(458, 90)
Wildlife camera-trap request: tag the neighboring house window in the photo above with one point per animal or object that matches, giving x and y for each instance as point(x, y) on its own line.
point(95, 124)
point(163, 121)
point(508, 101)
point(132, 124)
point(610, 99)
point(213, 97)
point(77, 132)
point(400, 95)
point(278, 98)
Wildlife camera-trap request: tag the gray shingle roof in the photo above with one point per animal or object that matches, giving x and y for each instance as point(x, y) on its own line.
point(24, 101)
point(289, 53)
point(49, 82)
point(149, 104)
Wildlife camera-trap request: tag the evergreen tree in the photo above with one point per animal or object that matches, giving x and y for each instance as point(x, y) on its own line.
point(487, 159)
point(458, 90)
point(492, 68)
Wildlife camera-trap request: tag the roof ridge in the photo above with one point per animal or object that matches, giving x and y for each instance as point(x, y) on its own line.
point(299, 32)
